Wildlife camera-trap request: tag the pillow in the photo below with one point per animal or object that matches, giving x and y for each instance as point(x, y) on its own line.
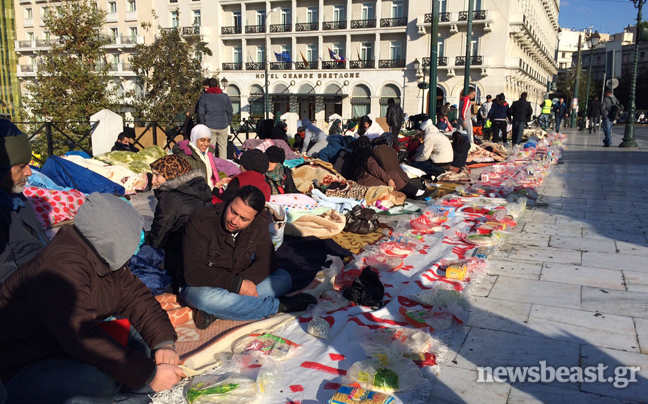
point(52, 206)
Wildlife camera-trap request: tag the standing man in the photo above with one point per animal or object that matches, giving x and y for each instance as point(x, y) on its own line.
point(499, 114)
point(520, 113)
point(594, 114)
point(482, 115)
point(21, 234)
point(465, 113)
point(609, 112)
point(215, 111)
point(544, 114)
point(230, 265)
point(561, 112)
point(394, 119)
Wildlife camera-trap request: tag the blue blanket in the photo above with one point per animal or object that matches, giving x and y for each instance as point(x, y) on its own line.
point(67, 174)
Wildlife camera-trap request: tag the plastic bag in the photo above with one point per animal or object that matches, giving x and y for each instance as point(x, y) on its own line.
point(337, 265)
point(332, 300)
point(230, 388)
point(347, 394)
point(384, 262)
point(366, 290)
point(318, 327)
point(265, 345)
point(389, 372)
point(405, 341)
point(428, 222)
point(395, 249)
point(436, 318)
point(444, 296)
point(277, 218)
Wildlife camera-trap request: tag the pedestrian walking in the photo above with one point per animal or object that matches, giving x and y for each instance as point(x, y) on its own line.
point(520, 113)
point(215, 112)
point(499, 116)
point(394, 118)
point(609, 112)
point(560, 111)
point(465, 113)
point(594, 114)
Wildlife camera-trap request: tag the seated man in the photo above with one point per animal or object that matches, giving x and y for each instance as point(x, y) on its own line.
point(278, 176)
point(21, 234)
point(123, 143)
point(254, 166)
point(435, 154)
point(52, 343)
point(230, 266)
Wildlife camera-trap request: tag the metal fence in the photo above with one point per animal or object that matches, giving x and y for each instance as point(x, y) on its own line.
point(50, 130)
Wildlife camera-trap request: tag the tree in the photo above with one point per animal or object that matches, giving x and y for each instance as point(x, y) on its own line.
point(72, 81)
point(170, 73)
point(565, 86)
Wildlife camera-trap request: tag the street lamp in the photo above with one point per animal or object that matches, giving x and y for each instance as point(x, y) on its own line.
point(224, 83)
point(628, 135)
point(265, 45)
point(574, 110)
point(417, 65)
point(592, 42)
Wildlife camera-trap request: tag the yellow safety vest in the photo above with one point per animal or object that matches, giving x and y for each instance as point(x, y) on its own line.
point(546, 108)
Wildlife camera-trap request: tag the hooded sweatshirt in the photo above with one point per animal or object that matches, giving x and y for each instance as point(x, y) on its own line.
point(313, 134)
point(436, 146)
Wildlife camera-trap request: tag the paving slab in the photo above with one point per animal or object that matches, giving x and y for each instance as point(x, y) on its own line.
point(610, 301)
point(636, 281)
point(577, 326)
point(537, 393)
point(582, 244)
point(530, 291)
point(580, 275)
point(632, 248)
point(515, 269)
point(546, 254)
point(592, 356)
point(641, 324)
point(458, 385)
point(615, 261)
point(499, 315)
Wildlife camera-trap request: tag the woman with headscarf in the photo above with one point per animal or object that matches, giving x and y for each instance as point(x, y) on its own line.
point(314, 139)
point(200, 155)
point(387, 158)
point(336, 128)
point(179, 191)
point(254, 165)
point(279, 177)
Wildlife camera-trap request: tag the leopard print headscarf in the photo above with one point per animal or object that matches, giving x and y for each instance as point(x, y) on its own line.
point(171, 166)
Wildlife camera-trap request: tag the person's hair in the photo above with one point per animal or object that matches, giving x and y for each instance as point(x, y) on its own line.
point(523, 95)
point(362, 151)
point(608, 91)
point(488, 97)
point(419, 135)
point(251, 196)
point(300, 129)
point(361, 123)
point(596, 97)
point(457, 141)
point(213, 82)
point(471, 90)
point(122, 136)
point(206, 82)
point(390, 101)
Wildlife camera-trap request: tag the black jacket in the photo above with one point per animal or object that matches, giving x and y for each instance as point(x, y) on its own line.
point(21, 234)
point(499, 111)
point(286, 183)
point(394, 116)
point(461, 155)
point(122, 147)
point(521, 111)
point(278, 133)
point(177, 200)
point(594, 109)
point(560, 110)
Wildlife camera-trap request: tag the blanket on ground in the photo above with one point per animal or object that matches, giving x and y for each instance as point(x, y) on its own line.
point(263, 144)
point(130, 180)
point(65, 173)
point(314, 170)
point(136, 162)
point(327, 224)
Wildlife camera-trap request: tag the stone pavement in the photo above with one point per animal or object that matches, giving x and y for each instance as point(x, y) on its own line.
point(570, 286)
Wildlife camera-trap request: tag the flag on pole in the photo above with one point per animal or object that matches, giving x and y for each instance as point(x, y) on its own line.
point(335, 56)
point(283, 57)
point(304, 59)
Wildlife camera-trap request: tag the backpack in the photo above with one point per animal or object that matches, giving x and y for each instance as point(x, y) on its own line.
point(613, 113)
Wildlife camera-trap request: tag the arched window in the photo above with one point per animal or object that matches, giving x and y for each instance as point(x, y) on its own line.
point(256, 100)
point(387, 92)
point(361, 101)
point(235, 97)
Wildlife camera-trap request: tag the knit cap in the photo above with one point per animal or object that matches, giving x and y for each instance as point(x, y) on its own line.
point(255, 160)
point(171, 166)
point(276, 154)
point(14, 146)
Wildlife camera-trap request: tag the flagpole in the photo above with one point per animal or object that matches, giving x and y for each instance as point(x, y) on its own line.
point(434, 60)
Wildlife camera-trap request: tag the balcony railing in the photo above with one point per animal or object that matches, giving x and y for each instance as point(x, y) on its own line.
point(254, 66)
point(128, 40)
point(231, 30)
point(477, 15)
point(393, 22)
point(27, 43)
point(363, 23)
point(280, 27)
point(233, 66)
point(111, 17)
point(334, 65)
point(329, 25)
point(441, 61)
point(40, 43)
point(306, 26)
point(28, 22)
point(443, 17)
point(131, 15)
point(281, 66)
point(307, 66)
point(474, 60)
point(254, 29)
point(363, 64)
point(391, 63)
point(195, 30)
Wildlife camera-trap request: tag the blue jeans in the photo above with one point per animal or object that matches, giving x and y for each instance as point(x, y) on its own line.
point(558, 122)
point(544, 121)
point(518, 131)
point(69, 381)
point(606, 125)
point(232, 306)
point(431, 168)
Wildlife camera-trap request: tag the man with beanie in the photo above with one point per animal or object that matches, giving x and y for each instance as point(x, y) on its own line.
point(254, 165)
point(53, 340)
point(520, 113)
point(215, 111)
point(230, 265)
point(179, 191)
point(279, 177)
point(21, 234)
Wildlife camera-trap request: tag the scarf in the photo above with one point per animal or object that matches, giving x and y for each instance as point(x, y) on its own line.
point(277, 180)
point(205, 159)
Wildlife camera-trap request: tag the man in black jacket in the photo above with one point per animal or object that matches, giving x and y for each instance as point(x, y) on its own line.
point(394, 118)
point(21, 234)
point(594, 114)
point(230, 266)
point(561, 112)
point(520, 114)
point(123, 143)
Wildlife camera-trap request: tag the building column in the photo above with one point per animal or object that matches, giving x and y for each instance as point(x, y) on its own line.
point(377, 50)
point(378, 12)
point(347, 50)
point(320, 13)
point(244, 52)
point(349, 17)
point(320, 52)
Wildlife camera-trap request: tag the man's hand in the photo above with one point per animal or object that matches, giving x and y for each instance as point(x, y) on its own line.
point(167, 355)
point(391, 183)
point(248, 288)
point(166, 376)
point(455, 169)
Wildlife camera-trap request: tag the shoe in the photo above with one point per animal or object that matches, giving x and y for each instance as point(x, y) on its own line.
point(203, 319)
point(299, 302)
point(431, 193)
point(606, 145)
